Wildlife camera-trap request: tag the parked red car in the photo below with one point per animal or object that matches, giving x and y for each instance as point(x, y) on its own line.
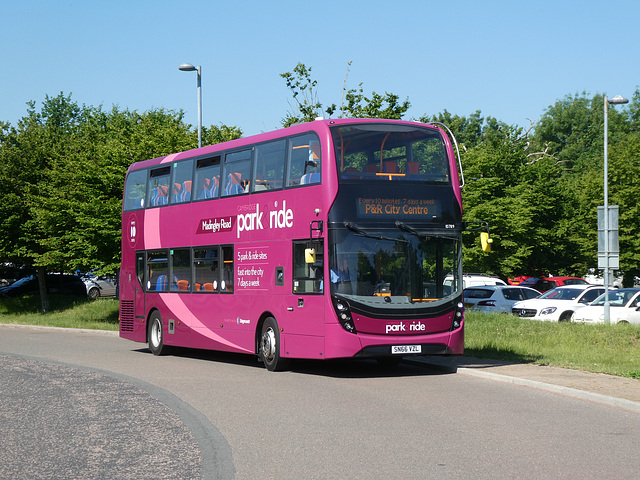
point(518, 280)
point(547, 283)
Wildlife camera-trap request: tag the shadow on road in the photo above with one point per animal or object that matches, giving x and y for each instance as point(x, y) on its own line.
point(337, 368)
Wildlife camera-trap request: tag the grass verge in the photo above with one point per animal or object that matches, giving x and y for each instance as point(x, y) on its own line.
point(65, 311)
point(613, 349)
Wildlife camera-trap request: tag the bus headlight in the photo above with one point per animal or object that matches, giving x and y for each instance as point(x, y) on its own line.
point(458, 316)
point(344, 314)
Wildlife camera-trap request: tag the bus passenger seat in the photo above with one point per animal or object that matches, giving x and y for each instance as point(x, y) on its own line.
point(163, 191)
point(208, 287)
point(183, 285)
point(205, 189)
point(178, 196)
point(161, 284)
point(233, 184)
point(186, 189)
point(390, 166)
point(213, 192)
point(413, 168)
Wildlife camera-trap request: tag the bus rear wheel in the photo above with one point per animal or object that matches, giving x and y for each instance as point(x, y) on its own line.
point(269, 346)
point(156, 335)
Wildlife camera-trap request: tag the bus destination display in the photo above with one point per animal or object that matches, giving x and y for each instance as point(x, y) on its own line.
point(416, 208)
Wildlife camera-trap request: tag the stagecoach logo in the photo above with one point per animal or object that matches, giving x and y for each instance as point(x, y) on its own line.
point(242, 321)
point(215, 225)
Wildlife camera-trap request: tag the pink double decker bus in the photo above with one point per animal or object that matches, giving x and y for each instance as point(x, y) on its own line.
point(329, 239)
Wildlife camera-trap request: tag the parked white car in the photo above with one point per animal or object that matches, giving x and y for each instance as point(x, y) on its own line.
point(624, 307)
point(496, 298)
point(559, 304)
point(473, 280)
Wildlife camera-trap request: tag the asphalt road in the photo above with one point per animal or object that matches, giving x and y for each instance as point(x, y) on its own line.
point(90, 405)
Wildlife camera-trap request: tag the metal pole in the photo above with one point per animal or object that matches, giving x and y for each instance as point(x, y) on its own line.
point(607, 305)
point(187, 67)
point(199, 106)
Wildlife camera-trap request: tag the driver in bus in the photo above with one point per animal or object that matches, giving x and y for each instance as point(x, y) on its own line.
point(341, 277)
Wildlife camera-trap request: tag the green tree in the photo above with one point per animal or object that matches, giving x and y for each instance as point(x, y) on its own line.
point(307, 106)
point(572, 132)
point(61, 178)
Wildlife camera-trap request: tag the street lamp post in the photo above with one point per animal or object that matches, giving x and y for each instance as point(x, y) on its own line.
point(617, 100)
point(187, 67)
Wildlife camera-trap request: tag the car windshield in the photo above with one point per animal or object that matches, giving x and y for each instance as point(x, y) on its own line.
point(617, 298)
point(562, 294)
point(391, 268)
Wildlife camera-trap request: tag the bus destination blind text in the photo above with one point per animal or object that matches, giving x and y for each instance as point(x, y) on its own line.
point(397, 207)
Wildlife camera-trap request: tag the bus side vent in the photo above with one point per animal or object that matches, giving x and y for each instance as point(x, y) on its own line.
point(126, 315)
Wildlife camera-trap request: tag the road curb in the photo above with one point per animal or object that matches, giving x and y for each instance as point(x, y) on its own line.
point(549, 387)
point(80, 330)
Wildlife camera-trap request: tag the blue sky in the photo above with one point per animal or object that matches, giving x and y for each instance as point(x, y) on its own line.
point(510, 59)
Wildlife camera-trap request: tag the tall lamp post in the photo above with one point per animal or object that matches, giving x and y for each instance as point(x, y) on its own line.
point(617, 100)
point(187, 67)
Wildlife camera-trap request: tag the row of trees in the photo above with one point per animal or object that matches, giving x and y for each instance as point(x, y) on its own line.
point(538, 187)
point(62, 170)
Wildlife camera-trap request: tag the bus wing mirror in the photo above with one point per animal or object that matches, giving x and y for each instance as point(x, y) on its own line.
point(310, 255)
point(485, 241)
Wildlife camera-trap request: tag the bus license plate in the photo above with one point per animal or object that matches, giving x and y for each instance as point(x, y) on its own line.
point(405, 349)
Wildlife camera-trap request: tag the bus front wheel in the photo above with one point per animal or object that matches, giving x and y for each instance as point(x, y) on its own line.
point(156, 335)
point(269, 346)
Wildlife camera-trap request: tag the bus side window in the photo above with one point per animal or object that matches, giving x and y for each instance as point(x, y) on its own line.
point(308, 277)
point(207, 181)
point(180, 270)
point(181, 185)
point(237, 173)
point(135, 190)
point(227, 269)
point(206, 265)
point(305, 160)
point(157, 271)
point(269, 166)
point(158, 187)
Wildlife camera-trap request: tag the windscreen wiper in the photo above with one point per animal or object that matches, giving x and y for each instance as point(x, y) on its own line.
point(358, 231)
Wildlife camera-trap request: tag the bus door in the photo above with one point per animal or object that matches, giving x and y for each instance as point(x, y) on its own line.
point(140, 310)
point(307, 304)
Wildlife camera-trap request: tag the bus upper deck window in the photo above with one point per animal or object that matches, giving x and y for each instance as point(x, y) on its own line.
point(135, 190)
point(305, 160)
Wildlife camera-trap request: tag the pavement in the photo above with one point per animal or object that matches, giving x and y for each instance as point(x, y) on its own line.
point(595, 387)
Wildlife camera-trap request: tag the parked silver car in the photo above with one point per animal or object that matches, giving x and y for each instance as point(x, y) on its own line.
point(496, 298)
point(100, 285)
